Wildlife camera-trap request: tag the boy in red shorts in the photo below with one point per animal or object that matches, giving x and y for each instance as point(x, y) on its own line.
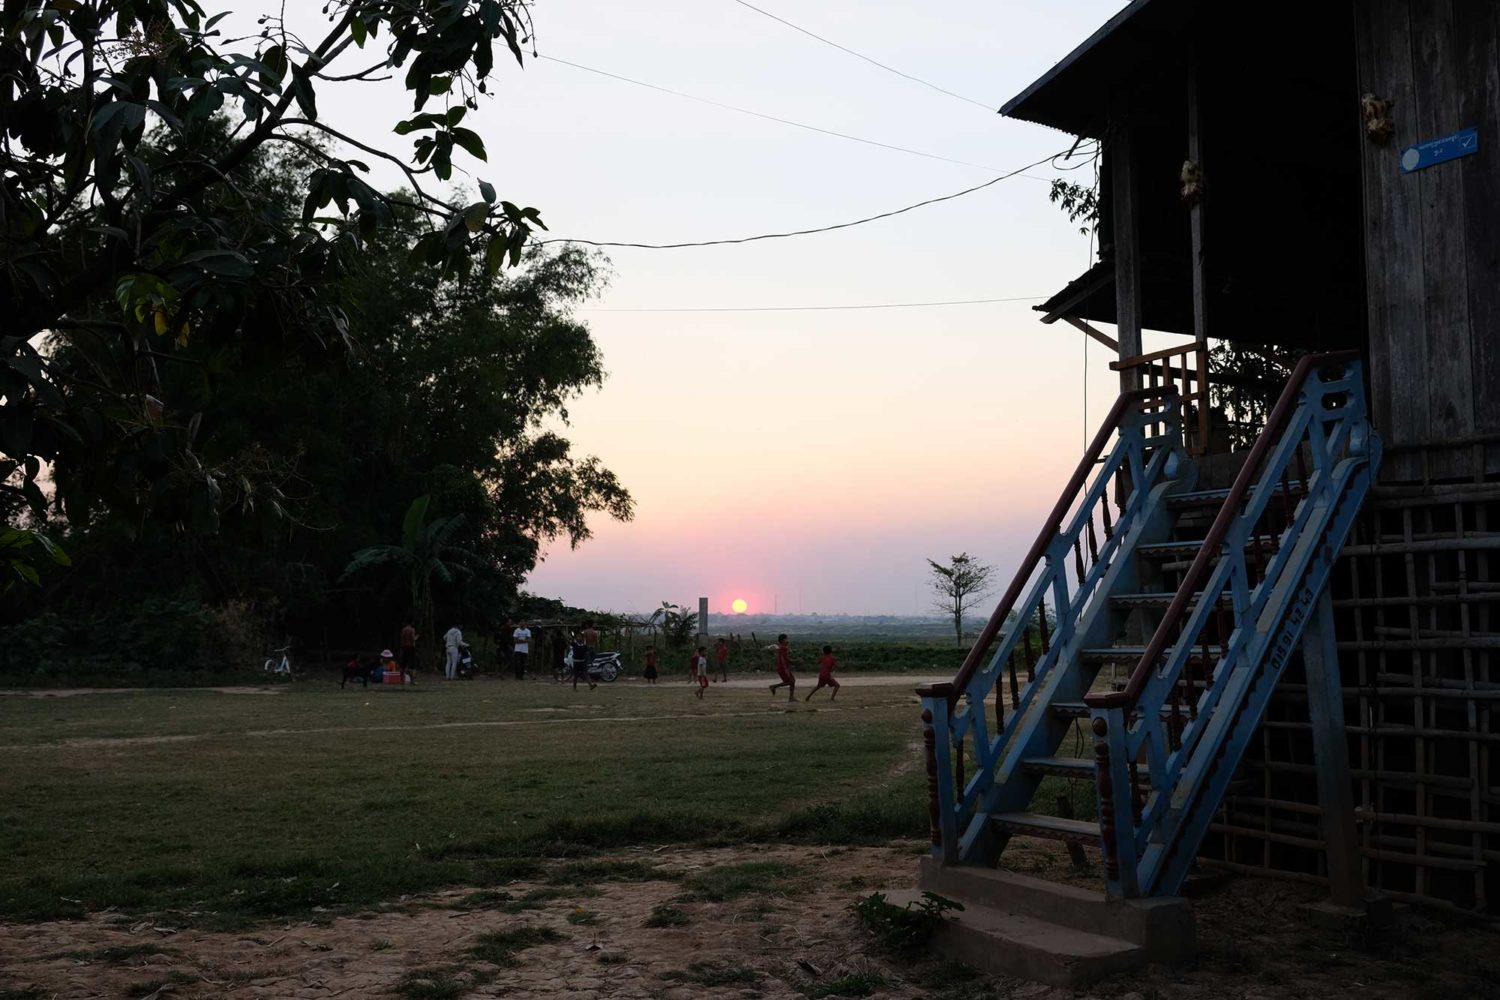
point(826, 663)
point(784, 669)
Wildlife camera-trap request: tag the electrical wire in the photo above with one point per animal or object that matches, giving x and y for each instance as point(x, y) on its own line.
point(806, 232)
point(860, 55)
point(880, 305)
point(773, 118)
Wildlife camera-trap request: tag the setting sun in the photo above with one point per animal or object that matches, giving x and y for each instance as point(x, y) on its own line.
point(740, 606)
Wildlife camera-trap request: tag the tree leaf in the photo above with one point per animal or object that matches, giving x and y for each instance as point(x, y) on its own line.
point(476, 215)
point(470, 142)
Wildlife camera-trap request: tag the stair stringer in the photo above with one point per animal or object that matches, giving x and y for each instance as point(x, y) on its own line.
point(1034, 731)
point(1166, 863)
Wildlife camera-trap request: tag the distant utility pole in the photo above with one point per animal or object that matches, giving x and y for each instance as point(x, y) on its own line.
point(702, 620)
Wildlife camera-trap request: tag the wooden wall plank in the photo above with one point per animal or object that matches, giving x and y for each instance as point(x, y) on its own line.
point(1437, 83)
point(1393, 230)
point(1477, 34)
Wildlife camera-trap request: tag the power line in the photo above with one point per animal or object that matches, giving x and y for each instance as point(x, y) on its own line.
point(880, 305)
point(771, 118)
point(860, 55)
point(809, 232)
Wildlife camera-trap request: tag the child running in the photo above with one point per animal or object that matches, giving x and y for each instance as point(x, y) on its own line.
point(826, 663)
point(784, 669)
point(700, 670)
point(650, 672)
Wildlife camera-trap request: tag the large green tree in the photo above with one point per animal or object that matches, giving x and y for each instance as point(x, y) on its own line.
point(153, 254)
point(454, 383)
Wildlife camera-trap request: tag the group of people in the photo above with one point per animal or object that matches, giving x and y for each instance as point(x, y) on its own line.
point(827, 663)
point(583, 642)
point(700, 671)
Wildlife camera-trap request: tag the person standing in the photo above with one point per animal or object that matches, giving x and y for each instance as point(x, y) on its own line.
point(504, 643)
point(409, 650)
point(700, 670)
point(581, 657)
point(591, 637)
point(650, 672)
point(452, 639)
point(559, 654)
point(784, 668)
point(721, 657)
point(522, 650)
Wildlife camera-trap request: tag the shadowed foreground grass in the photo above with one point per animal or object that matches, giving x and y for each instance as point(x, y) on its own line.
point(218, 810)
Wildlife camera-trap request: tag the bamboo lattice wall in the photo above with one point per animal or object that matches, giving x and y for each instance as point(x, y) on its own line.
point(1417, 602)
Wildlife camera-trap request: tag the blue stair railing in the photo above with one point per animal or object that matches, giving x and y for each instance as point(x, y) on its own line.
point(1167, 745)
point(1037, 621)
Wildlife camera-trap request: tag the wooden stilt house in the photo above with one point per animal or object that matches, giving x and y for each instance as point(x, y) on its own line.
point(1276, 614)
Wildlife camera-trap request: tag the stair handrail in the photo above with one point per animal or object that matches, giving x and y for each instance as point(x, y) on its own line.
point(975, 657)
point(1137, 449)
point(1192, 581)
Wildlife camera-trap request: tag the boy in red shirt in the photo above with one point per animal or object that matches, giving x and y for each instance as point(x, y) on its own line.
point(650, 674)
point(826, 663)
point(721, 653)
point(784, 669)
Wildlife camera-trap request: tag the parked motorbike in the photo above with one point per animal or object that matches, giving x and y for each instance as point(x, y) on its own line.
point(601, 666)
point(465, 662)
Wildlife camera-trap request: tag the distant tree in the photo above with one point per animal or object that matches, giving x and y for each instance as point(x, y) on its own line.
point(678, 625)
point(958, 586)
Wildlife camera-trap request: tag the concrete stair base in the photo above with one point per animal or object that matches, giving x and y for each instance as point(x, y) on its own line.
point(1025, 927)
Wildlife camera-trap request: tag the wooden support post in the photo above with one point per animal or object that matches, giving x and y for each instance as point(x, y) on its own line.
point(1325, 708)
point(1195, 215)
point(1124, 195)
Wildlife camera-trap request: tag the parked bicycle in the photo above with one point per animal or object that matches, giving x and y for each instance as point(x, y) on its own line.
point(281, 667)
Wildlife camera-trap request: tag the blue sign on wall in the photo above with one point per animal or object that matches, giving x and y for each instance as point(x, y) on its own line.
point(1435, 151)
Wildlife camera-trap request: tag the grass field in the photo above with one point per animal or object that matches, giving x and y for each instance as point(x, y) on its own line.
point(218, 809)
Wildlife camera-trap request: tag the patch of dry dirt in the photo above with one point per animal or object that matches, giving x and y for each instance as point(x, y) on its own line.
point(783, 946)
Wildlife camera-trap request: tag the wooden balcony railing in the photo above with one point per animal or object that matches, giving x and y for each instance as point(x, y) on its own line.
point(1183, 367)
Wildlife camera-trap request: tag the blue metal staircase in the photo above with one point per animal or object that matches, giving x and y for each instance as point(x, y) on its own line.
point(1198, 597)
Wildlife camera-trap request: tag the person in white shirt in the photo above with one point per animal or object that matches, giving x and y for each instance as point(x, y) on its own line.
point(452, 639)
point(522, 648)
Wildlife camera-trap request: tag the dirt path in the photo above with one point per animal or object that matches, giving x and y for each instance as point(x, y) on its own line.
point(76, 692)
point(790, 937)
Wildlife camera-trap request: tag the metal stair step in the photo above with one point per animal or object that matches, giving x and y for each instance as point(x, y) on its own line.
point(1073, 831)
point(1078, 710)
point(1214, 498)
point(1132, 654)
point(1063, 767)
point(1188, 548)
point(1157, 600)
